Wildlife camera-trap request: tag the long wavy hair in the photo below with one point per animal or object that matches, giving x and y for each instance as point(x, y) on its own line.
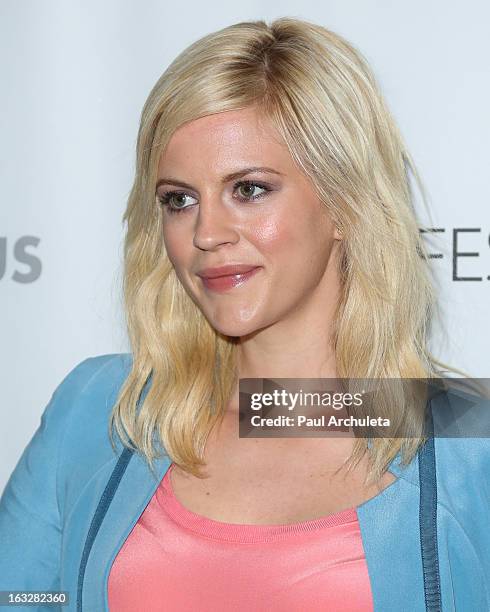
point(318, 91)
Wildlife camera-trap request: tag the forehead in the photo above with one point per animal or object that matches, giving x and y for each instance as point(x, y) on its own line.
point(223, 141)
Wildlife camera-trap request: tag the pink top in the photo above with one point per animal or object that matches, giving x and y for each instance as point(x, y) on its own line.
point(174, 559)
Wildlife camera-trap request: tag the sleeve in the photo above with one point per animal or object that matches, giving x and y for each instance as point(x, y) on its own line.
point(30, 518)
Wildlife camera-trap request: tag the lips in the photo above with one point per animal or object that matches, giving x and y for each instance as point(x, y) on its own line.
point(228, 270)
point(226, 277)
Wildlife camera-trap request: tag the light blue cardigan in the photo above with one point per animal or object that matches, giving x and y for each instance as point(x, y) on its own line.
point(71, 502)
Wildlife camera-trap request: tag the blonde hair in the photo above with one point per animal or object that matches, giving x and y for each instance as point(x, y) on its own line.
point(321, 96)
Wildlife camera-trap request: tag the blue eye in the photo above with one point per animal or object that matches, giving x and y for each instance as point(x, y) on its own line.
point(174, 201)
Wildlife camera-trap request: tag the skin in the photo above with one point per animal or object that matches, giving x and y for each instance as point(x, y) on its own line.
point(282, 315)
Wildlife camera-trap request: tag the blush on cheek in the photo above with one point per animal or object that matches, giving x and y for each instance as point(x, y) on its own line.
point(271, 232)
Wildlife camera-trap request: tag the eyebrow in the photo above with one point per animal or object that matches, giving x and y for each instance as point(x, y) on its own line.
point(224, 179)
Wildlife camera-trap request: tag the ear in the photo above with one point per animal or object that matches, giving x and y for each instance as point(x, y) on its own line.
point(337, 233)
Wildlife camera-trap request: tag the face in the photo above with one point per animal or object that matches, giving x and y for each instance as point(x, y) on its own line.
point(231, 195)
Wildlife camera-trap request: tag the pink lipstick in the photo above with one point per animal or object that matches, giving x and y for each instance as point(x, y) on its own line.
point(226, 277)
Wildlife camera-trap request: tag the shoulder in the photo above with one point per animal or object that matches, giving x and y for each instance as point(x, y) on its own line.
point(461, 424)
point(462, 451)
point(95, 374)
point(77, 414)
point(77, 421)
point(93, 378)
point(71, 442)
point(462, 430)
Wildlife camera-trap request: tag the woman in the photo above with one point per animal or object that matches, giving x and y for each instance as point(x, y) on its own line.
point(270, 234)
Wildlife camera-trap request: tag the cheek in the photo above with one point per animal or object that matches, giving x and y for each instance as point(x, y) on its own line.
point(272, 234)
point(174, 246)
point(293, 243)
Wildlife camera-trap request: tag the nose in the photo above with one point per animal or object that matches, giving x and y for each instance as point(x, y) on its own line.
point(216, 225)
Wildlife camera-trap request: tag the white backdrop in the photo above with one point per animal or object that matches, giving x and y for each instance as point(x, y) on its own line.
point(74, 77)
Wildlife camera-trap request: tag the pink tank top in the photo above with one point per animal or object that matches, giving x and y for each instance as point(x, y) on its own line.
point(176, 560)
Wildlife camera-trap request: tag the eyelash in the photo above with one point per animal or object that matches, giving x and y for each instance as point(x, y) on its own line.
point(165, 198)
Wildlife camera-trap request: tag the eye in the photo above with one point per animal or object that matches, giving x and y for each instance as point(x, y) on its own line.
point(175, 201)
point(247, 188)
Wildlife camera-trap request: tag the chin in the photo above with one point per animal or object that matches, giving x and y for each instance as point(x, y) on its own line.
point(236, 330)
point(233, 327)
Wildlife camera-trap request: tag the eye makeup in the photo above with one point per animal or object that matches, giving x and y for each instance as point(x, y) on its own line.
point(166, 197)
